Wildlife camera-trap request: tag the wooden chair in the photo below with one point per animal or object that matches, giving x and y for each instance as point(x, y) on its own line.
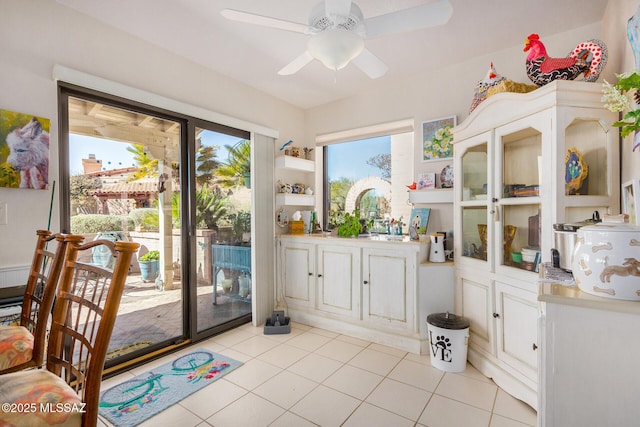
point(85, 312)
point(23, 346)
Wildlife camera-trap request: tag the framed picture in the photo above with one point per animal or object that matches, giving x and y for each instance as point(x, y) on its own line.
point(426, 180)
point(418, 222)
point(631, 200)
point(24, 151)
point(437, 138)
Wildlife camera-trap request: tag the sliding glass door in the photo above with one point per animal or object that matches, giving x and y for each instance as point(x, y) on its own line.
point(223, 227)
point(176, 186)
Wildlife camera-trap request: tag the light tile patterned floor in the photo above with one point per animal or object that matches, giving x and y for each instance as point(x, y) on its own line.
point(314, 377)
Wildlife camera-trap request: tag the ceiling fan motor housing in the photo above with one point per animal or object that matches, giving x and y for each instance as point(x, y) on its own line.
point(319, 20)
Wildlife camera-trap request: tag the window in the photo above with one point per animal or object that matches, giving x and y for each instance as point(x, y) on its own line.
point(369, 175)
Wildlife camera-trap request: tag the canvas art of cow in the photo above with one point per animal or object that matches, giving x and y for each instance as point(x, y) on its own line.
point(29, 154)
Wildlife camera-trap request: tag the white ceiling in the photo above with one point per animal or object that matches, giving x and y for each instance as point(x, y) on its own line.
point(253, 54)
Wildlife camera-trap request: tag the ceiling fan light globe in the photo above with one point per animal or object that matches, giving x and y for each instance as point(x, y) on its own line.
point(335, 48)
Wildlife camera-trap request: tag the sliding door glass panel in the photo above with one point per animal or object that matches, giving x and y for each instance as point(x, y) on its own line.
point(124, 184)
point(223, 228)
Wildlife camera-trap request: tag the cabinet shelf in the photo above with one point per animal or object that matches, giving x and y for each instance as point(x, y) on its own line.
point(431, 196)
point(295, 199)
point(295, 163)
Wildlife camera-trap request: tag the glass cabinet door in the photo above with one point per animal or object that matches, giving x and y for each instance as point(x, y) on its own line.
point(517, 212)
point(474, 164)
point(474, 173)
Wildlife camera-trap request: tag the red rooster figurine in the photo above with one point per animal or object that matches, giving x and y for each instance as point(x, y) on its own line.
point(588, 58)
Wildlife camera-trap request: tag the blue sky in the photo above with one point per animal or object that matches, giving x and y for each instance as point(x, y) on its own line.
point(348, 160)
point(114, 154)
point(345, 160)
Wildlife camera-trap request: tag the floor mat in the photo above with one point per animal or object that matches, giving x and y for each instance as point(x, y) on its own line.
point(135, 400)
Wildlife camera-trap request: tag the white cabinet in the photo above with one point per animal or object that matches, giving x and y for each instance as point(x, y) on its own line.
point(298, 165)
point(338, 279)
point(389, 287)
point(589, 359)
point(475, 298)
point(516, 312)
point(297, 273)
point(510, 189)
point(362, 288)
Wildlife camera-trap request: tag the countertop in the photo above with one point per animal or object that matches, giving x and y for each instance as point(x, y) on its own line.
point(386, 238)
point(556, 293)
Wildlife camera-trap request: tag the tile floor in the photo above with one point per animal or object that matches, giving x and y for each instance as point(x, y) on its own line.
point(315, 377)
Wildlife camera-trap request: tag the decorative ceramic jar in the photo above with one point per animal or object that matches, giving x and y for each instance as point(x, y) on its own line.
point(606, 259)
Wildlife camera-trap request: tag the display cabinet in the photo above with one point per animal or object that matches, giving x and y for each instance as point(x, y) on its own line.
point(525, 162)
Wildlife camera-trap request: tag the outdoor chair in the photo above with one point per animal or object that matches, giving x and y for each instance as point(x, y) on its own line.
point(67, 391)
point(23, 346)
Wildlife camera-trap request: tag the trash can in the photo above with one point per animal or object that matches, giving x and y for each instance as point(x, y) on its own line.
point(448, 341)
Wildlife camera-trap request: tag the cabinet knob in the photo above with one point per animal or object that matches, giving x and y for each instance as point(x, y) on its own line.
point(310, 274)
point(319, 275)
point(496, 315)
point(366, 282)
point(535, 347)
point(494, 200)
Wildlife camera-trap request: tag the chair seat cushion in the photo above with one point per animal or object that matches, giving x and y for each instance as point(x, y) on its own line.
point(16, 346)
point(38, 398)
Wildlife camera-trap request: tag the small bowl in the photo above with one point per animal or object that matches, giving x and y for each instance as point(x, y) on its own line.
point(516, 257)
point(529, 255)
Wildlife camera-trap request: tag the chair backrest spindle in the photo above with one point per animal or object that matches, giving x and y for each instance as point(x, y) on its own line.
point(83, 318)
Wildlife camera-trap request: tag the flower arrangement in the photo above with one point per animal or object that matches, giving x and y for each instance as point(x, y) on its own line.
point(615, 98)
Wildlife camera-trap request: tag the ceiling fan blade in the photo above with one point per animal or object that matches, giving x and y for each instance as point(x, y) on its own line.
point(296, 65)
point(265, 21)
point(427, 15)
point(370, 64)
point(337, 8)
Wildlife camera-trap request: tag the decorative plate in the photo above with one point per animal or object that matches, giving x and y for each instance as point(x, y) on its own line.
point(576, 171)
point(446, 177)
point(282, 218)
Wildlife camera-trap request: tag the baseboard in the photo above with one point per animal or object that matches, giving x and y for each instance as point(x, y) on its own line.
point(14, 275)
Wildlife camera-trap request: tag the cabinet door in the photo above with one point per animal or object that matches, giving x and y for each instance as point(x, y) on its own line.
point(338, 280)
point(517, 327)
point(389, 288)
point(297, 275)
point(476, 305)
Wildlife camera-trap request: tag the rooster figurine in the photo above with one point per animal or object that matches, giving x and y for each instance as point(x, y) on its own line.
point(491, 79)
point(588, 58)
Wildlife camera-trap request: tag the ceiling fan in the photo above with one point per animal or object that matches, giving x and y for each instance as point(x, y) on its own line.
point(337, 32)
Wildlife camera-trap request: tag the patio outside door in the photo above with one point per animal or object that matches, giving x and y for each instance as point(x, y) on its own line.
point(223, 228)
point(175, 185)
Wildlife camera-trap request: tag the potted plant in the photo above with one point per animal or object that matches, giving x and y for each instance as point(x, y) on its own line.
point(150, 265)
point(350, 225)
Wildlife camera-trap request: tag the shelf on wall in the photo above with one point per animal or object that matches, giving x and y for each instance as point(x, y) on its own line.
point(295, 199)
point(443, 195)
point(295, 163)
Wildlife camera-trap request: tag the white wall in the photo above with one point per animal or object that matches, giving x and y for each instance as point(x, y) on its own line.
point(622, 60)
point(37, 34)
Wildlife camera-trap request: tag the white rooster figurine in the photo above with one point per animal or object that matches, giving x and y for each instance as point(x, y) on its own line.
point(480, 94)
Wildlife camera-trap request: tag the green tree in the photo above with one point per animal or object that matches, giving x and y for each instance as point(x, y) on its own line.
point(81, 188)
point(206, 164)
point(147, 166)
point(338, 193)
point(231, 173)
point(383, 162)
